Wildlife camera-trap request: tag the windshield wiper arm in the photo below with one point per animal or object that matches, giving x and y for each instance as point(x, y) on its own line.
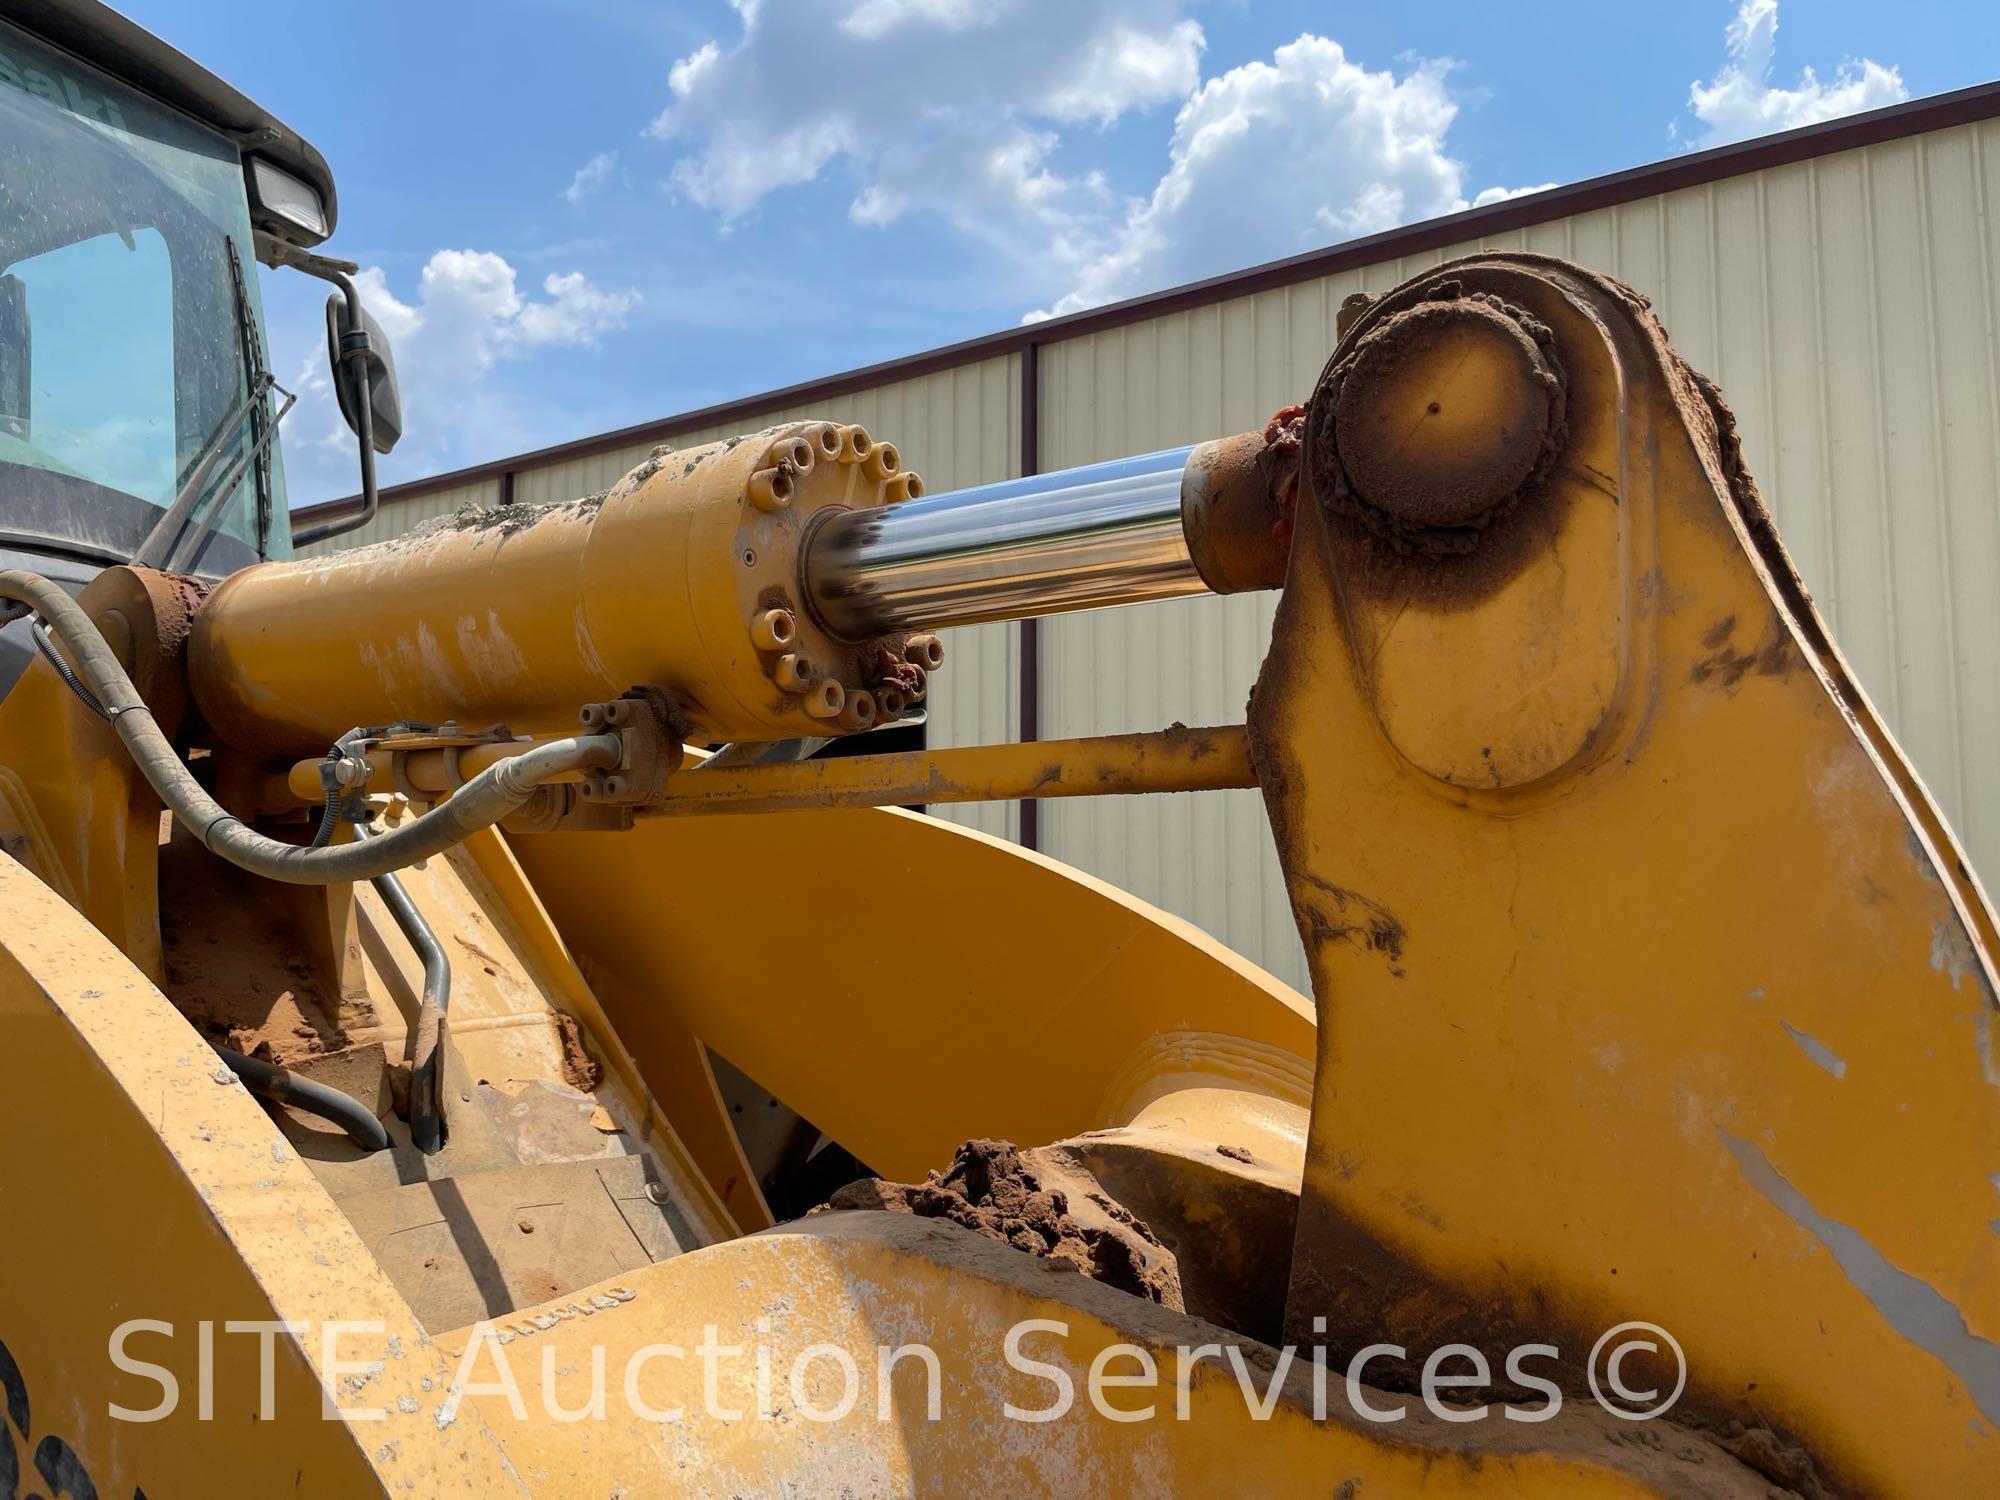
point(170, 538)
point(252, 349)
point(259, 454)
point(159, 543)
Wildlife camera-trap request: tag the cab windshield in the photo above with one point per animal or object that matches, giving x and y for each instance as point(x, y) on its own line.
point(130, 341)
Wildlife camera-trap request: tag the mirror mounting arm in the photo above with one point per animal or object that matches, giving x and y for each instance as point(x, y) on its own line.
point(354, 351)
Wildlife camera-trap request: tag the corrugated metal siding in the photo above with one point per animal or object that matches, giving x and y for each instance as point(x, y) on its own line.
point(406, 515)
point(1206, 371)
point(1848, 306)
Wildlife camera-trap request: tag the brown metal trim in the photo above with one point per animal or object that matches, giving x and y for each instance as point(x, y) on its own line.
point(1031, 635)
point(1898, 121)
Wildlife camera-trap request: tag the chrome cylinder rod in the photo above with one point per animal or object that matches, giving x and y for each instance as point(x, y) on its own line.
point(1078, 539)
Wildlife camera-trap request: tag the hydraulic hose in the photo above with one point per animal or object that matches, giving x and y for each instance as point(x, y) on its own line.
point(493, 794)
point(269, 1081)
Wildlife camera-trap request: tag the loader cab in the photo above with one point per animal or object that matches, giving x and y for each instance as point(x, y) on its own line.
point(138, 408)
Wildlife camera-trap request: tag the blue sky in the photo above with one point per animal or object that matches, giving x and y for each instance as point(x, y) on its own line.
point(586, 215)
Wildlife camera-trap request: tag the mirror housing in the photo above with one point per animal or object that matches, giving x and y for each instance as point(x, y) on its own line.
point(385, 404)
point(379, 408)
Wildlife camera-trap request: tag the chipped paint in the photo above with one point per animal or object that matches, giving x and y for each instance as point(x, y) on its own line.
point(1951, 951)
point(1918, 1311)
point(1982, 1038)
point(586, 648)
point(436, 666)
point(492, 656)
point(1821, 1054)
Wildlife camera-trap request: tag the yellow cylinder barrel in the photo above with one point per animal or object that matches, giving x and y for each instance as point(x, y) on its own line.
point(676, 579)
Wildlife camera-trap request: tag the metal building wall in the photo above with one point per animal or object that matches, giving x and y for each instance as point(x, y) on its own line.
point(1847, 305)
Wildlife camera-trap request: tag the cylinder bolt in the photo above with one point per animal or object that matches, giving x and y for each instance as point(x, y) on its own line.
point(793, 673)
point(882, 461)
point(859, 712)
point(925, 651)
point(825, 438)
point(889, 701)
point(854, 444)
point(770, 489)
point(773, 630)
point(901, 487)
point(825, 699)
point(793, 451)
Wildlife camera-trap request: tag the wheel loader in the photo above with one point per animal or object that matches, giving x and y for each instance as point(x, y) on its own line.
point(410, 955)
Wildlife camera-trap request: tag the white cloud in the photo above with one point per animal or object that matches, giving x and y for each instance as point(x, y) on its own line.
point(1741, 101)
point(873, 18)
point(945, 105)
point(974, 113)
point(1126, 67)
point(1273, 158)
point(1501, 194)
point(468, 317)
point(591, 176)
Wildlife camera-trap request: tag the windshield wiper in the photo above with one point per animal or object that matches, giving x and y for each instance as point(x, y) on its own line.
point(166, 541)
point(253, 369)
point(260, 454)
point(162, 542)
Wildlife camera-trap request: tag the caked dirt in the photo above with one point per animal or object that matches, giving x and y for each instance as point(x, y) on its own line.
point(236, 961)
point(580, 1070)
point(1042, 1202)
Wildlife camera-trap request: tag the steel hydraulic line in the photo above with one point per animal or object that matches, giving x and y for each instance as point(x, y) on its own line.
point(483, 801)
point(427, 1056)
point(268, 1081)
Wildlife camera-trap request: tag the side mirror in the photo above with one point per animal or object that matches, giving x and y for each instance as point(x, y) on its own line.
point(385, 404)
point(17, 359)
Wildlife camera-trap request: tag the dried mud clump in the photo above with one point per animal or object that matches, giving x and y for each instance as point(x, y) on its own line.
point(1037, 1201)
point(1408, 512)
point(579, 1069)
point(1284, 451)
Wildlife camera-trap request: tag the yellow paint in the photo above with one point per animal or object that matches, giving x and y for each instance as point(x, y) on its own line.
point(657, 583)
point(142, 1182)
point(1549, 1091)
point(864, 1283)
point(1650, 985)
point(904, 983)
